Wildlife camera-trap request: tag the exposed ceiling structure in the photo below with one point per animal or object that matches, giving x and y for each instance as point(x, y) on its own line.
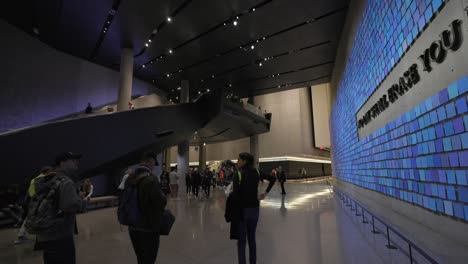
point(248, 47)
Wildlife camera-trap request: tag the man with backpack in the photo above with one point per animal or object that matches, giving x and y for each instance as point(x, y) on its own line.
point(52, 210)
point(141, 208)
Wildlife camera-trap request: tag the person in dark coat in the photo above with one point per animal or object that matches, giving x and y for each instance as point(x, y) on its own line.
point(188, 182)
point(245, 183)
point(282, 179)
point(196, 182)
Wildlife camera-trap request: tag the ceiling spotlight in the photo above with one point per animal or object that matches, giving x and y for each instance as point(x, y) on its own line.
point(237, 17)
point(208, 90)
point(177, 98)
point(265, 59)
point(143, 66)
point(179, 88)
point(257, 40)
point(202, 80)
point(199, 92)
point(234, 23)
point(108, 22)
point(168, 75)
point(170, 51)
point(169, 19)
point(204, 144)
point(263, 38)
point(149, 40)
point(225, 24)
point(212, 76)
point(279, 86)
point(253, 10)
point(252, 47)
point(230, 85)
point(146, 44)
point(240, 47)
point(260, 64)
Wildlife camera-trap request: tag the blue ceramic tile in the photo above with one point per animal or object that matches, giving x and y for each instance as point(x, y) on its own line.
point(448, 207)
point(451, 193)
point(443, 96)
point(461, 177)
point(458, 210)
point(462, 194)
point(452, 90)
point(462, 105)
point(450, 109)
point(447, 144)
point(458, 125)
point(441, 113)
point(464, 140)
point(463, 155)
point(448, 128)
point(456, 142)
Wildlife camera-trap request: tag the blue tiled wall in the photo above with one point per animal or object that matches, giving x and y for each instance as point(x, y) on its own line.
point(422, 156)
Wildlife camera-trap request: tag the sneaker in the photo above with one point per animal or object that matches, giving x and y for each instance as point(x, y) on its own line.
point(20, 240)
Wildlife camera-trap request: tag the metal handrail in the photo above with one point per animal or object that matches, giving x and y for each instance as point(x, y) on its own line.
point(345, 198)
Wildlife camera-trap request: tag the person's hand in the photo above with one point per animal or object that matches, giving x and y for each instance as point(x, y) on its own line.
point(262, 196)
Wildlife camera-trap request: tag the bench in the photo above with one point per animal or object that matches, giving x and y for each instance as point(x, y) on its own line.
point(102, 202)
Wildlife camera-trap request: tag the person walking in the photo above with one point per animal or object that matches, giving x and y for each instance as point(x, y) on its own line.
point(174, 182)
point(196, 181)
point(188, 182)
point(207, 179)
point(246, 189)
point(141, 209)
point(281, 179)
point(165, 186)
point(52, 210)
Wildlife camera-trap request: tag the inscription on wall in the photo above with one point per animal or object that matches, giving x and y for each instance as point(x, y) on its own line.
point(449, 40)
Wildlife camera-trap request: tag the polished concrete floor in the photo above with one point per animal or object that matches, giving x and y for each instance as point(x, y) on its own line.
point(308, 225)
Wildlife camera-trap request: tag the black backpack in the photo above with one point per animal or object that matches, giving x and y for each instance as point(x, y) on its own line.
point(129, 212)
point(44, 214)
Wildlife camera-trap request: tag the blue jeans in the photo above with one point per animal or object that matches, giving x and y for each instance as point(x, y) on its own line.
point(247, 230)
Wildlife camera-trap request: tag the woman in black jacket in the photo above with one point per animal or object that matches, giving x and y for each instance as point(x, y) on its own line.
point(245, 183)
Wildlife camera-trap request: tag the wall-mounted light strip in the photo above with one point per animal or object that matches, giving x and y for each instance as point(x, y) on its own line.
point(271, 159)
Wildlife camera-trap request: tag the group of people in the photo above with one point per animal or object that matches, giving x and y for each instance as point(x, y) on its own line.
point(195, 179)
point(55, 199)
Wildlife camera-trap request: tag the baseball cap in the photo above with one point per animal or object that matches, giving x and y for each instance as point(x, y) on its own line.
point(151, 154)
point(64, 156)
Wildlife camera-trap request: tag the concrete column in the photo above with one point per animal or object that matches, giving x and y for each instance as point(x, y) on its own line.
point(184, 92)
point(254, 141)
point(183, 148)
point(126, 79)
point(183, 158)
point(166, 163)
point(201, 156)
point(254, 151)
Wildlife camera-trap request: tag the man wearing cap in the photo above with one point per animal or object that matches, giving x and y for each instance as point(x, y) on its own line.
point(151, 203)
point(57, 242)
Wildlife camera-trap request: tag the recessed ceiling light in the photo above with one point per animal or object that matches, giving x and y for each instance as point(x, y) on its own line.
point(212, 76)
point(168, 75)
point(143, 66)
point(149, 40)
point(170, 51)
point(237, 17)
point(234, 23)
point(179, 88)
point(263, 38)
point(252, 47)
point(199, 92)
point(177, 98)
point(253, 10)
point(260, 64)
point(146, 44)
point(108, 22)
point(230, 85)
point(169, 19)
point(225, 24)
point(257, 40)
point(208, 90)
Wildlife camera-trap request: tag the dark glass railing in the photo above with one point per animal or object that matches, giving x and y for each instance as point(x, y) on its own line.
point(388, 231)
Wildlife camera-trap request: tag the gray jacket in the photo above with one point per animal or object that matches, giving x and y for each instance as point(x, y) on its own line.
point(70, 202)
